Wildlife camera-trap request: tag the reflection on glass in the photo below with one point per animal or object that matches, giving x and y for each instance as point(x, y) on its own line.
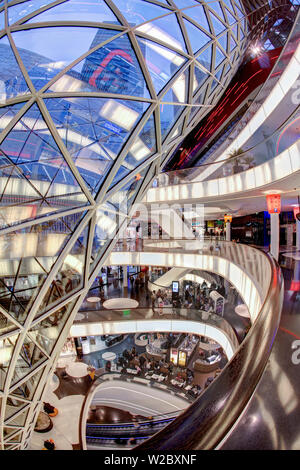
point(47, 51)
point(94, 131)
point(74, 10)
point(166, 30)
point(12, 82)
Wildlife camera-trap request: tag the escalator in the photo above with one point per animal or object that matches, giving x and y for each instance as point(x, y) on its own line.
point(125, 435)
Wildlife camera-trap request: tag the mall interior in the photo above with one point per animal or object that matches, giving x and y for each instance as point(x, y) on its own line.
point(149, 225)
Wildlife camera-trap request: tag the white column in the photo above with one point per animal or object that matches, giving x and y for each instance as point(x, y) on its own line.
point(297, 234)
point(228, 231)
point(125, 277)
point(274, 246)
point(289, 236)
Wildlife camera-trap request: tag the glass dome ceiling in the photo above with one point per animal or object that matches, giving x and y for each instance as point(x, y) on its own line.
point(94, 97)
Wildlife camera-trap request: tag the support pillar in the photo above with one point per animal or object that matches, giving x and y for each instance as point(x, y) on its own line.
point(274, 244)
point(228, 231)
point(125, 277)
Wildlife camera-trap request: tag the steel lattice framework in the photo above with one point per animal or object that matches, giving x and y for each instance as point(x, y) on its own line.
point(95, 96)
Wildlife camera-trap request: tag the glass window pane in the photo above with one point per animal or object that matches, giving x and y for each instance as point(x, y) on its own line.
point(17, 12)
point(168, 116)
point(94, 131)
point(47, 51)
point(162, 63)
point(166, 30)
point(139, 11)
point(112, 69)
point(219, 27)
point(179, 90)
point(12, 82)
point(197, 38)
point(198, 14)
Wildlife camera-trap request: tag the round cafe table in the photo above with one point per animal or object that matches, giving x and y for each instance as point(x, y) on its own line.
point(93, 299)
point(109, 356)
point(120, 303)
point(77, 369)
point(242, 310)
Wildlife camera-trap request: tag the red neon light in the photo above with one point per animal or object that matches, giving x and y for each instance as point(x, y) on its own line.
point(104, 63)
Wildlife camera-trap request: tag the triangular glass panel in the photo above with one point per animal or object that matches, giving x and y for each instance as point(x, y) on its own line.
point(13, 406)
point(219, 27)
point(48, 330)
point(12, 82)
point(142, 148)
point(214, 83)
point(162, 62)
point(105, 231)
point(231, 19)
point(168, 116)
point(178, 93)
point(2, 20)
point(166, 30)
point(31, 146)
point(222, 40)
point(229, 5)
point(199, 78)
point(73, 10)
point(30, 254)
point(12, 181)
point(227, 69)
point(175, 133)
point(217, 8)
point(26, 390)
point(242, 35)
point(29, 358)
point(194, 111)
point(6, 352)
point(205, 58)
point(197, 38)
point(19, 11)
point(219, 57)
point(239, 10)
point(219, 73)
point(198, 14)
point(6, 325)
point(94, 131)
point(123, 199)
point(110, 69)
point(69, 277)
point(7, 113)
point(138, 11)
point(47, 51)
point(10, 434)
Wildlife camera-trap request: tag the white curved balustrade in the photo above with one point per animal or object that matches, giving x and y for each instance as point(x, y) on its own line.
point(154, 326)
